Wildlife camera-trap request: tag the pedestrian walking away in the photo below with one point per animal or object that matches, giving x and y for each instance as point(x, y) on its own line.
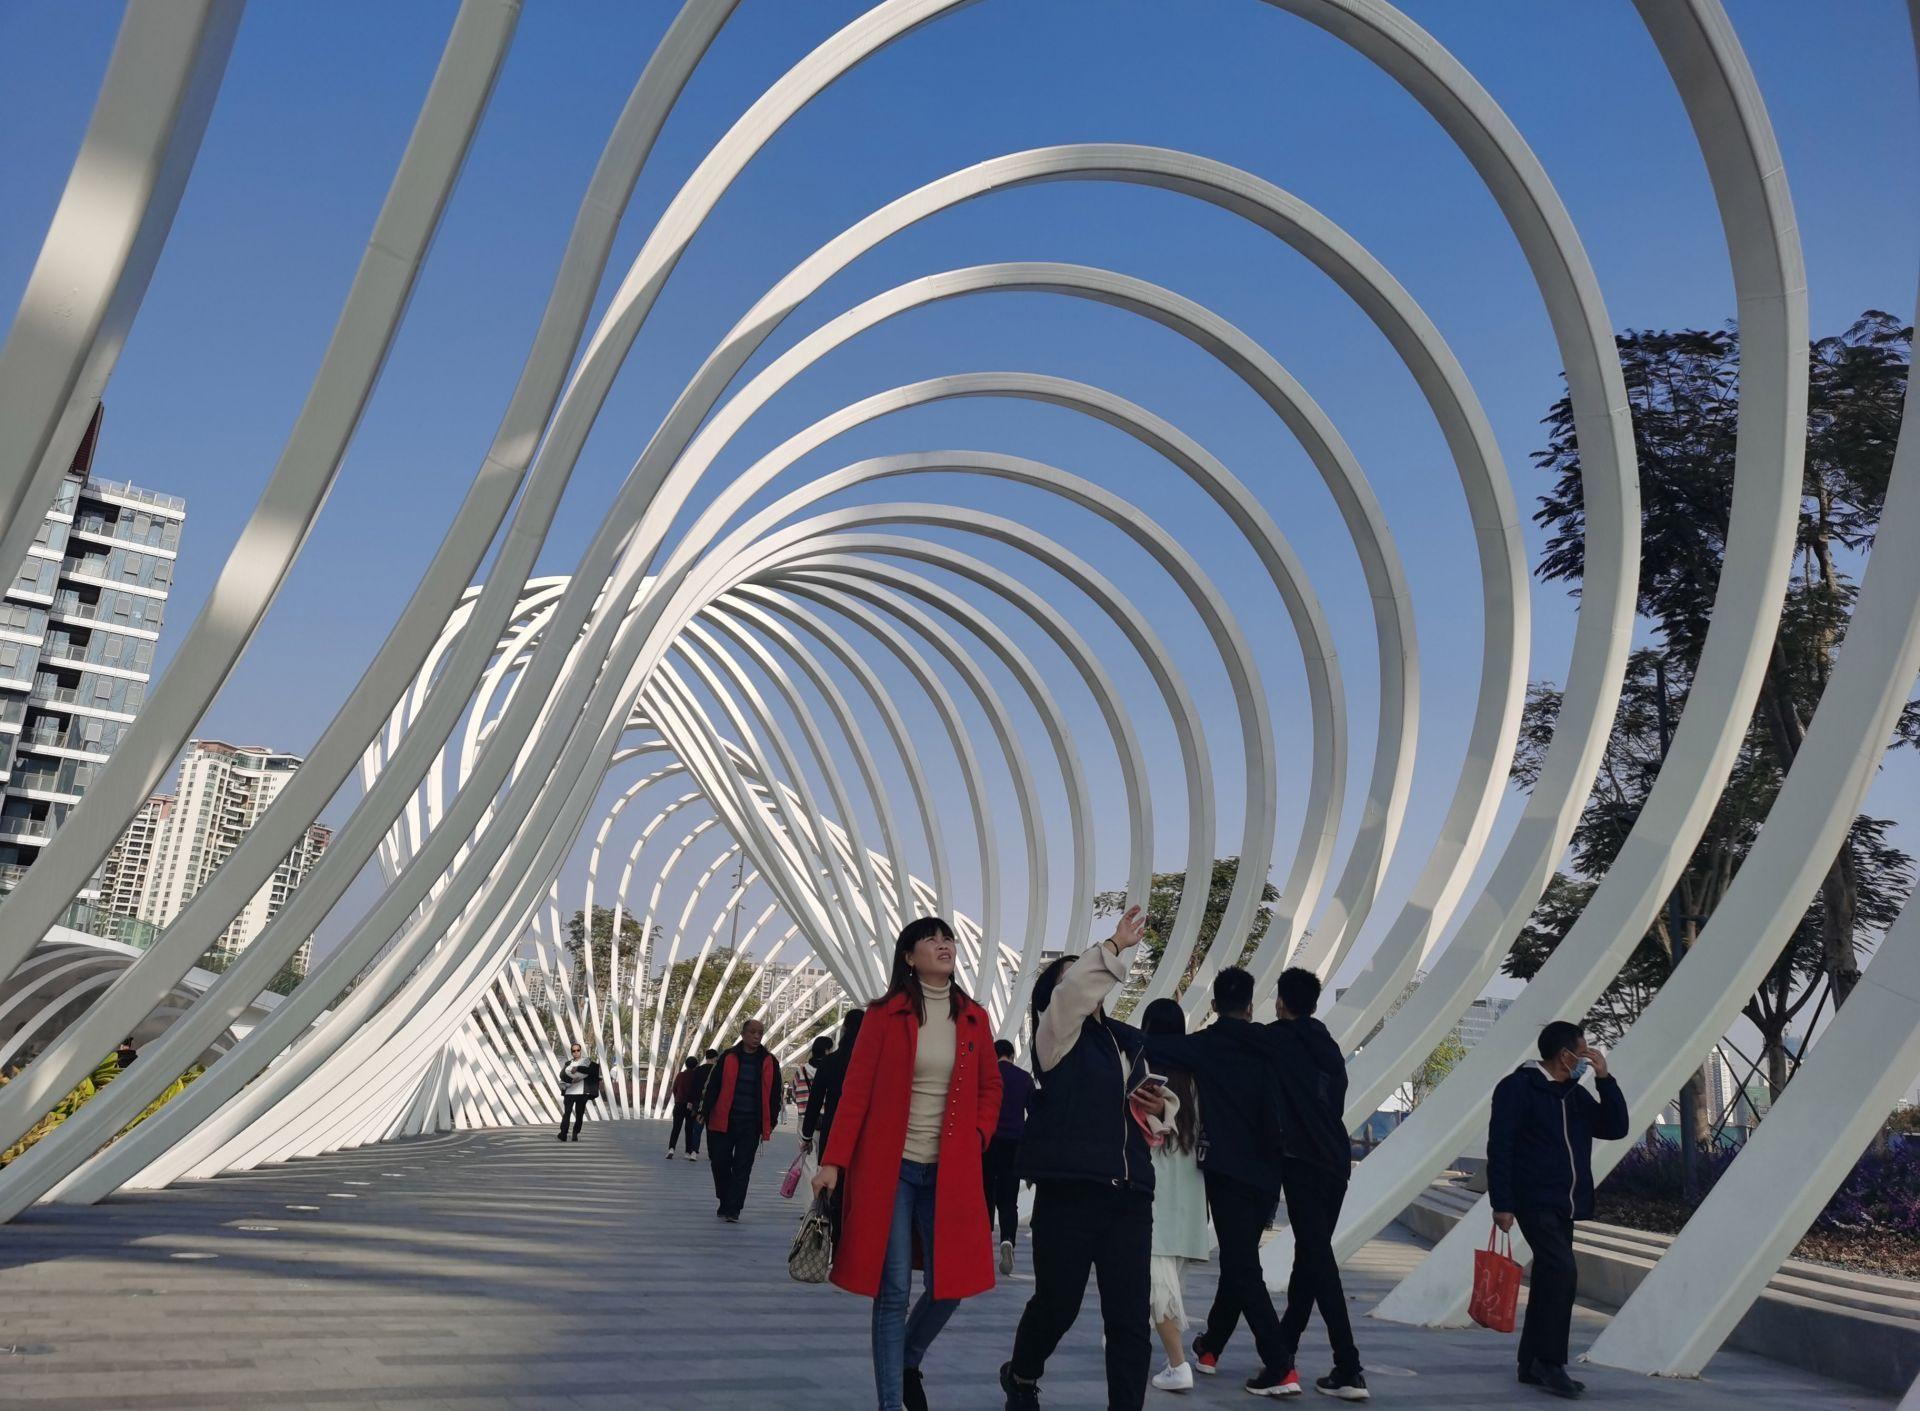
point(739, 1108)
point(1233, 1061)
point(1088, 1151)
point(579, 1085)
point(701, 1076)
point(1002, 1170)
point(804, 1078)
point(1540, 1176)
point(1181, 1237)
point(806, 1073)
point(816, 1124)
point(1316, 1159)
point(686, 1099)
point(917, 1103)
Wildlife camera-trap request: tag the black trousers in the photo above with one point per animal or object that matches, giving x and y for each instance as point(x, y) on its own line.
point(684, 1116)
point(1081, 1227)
point(573, 1106)
point(1240, 1214)
point(1000, 1169)
point(1314, 1197)
point(1551, 1288)
point(731, 1154)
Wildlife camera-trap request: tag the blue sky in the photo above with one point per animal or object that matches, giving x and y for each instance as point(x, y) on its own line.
point(318, 101)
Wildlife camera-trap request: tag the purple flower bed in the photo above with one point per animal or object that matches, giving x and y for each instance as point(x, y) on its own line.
point(1880, 1196)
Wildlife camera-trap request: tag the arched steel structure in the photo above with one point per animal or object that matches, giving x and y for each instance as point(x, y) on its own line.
point(711, 704)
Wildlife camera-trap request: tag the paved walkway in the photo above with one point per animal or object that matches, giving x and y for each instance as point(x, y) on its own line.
point(503, 1269)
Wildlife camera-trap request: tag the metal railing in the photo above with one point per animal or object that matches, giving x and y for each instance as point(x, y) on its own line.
point(125, 491)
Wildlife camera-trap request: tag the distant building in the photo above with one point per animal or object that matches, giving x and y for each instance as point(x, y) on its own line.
point(222, 792)
point(1478, 1021)
point(127, 873)
point(78, 627)
point(1735, 1096)
point(797, 993)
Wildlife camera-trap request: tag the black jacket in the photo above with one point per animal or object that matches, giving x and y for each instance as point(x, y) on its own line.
point(1540, 1142)
point(590, 1071)
point(1234, 1062)
point(1080, 1126)
point(1313, 1080)
point(824, 1095)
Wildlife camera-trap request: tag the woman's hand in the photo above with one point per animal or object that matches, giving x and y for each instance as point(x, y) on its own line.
point(827, 1180)
point(1128, 932)
point(1151, 1099)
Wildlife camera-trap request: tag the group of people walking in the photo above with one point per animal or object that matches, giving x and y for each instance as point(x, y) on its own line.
point(1129, 1136)
point(1145, 1146)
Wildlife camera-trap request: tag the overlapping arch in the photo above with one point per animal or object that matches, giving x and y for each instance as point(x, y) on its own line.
point(715, 690)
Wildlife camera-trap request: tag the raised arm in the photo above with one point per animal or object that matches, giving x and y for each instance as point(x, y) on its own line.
point(1610, 1118)
point(1081, 990)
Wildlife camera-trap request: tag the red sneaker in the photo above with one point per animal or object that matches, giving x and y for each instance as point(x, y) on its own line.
point(1270, 1383)
point(1205, 1362)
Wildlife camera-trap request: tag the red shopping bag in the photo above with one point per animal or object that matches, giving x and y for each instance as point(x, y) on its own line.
point(1496, 1286)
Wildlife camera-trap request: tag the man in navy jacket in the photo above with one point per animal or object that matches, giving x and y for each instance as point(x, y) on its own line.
point(1540, 1174)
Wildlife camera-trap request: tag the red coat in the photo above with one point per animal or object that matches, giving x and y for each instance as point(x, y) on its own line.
point(720, 1111)
point(870, 1135)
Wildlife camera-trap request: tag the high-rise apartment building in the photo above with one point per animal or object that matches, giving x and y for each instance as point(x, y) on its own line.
point(126, 874)
point(222, 792)
point(77, 634)
point(799, 991)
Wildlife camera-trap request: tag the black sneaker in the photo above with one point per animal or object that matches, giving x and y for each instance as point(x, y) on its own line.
point(1205, 1361)
point(1267, 1382)
point(1021, 1396)
point(1554, 1380)
point(1348, 1386)
point(913, 1391)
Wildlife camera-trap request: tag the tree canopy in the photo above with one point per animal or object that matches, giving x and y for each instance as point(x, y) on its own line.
point(1683, 389)
point(1163, 904)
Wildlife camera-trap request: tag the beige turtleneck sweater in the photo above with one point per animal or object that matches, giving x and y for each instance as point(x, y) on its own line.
point(932, 1072)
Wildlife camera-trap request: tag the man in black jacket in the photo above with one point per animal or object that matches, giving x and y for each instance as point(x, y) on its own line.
point(1315, 1162)
point(1235, 1063)
point(740, 1108)
point(1540, 1175)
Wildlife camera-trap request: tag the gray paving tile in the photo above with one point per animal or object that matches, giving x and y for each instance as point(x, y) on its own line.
point(504, 1270)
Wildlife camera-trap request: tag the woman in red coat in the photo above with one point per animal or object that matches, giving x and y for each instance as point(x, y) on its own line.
point(917, 1107)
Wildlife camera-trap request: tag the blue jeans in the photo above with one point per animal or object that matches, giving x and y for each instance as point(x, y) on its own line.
point(900, 1341)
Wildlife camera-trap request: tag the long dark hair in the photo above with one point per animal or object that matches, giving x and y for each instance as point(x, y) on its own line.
point(849, 1031)
point(1164, 1016)
point(1043, 986)
point(906, 982)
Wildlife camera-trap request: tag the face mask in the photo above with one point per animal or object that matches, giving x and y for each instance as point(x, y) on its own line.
point(1579, 1071)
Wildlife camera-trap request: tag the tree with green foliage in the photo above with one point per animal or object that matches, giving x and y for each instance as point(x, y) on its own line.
point(1443, 1060)
point(602, 954)
point(679, 1004)
point(1163, 904)
point(1683, 391)
point(284, 982)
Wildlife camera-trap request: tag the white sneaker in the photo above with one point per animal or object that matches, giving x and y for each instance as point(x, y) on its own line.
point(1006, 1259)
point(1172, 1378)
point(669, 1153)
